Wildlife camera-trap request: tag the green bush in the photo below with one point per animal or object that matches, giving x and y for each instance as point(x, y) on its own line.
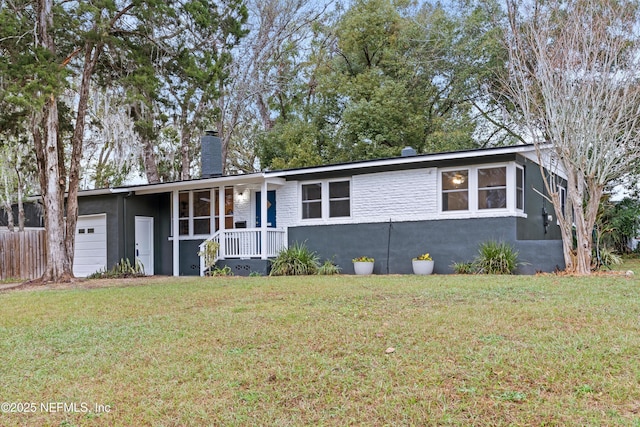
point(495, 258)
point(328, 268)
point(608, 257)
point(296, 260)
point(220, 271)
point(121, 270)
point(463, 267)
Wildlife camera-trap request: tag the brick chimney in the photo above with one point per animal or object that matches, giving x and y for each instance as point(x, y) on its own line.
point(211, 154)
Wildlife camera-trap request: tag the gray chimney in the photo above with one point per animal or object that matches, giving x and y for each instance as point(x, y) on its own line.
point(211, 154)
point(407, 152)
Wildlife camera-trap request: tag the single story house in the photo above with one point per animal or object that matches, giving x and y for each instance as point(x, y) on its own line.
point(390, 209)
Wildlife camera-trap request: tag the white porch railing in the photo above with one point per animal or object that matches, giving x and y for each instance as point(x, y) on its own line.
point(244, 243)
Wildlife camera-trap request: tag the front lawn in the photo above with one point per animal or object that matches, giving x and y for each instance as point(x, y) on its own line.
point(341, 350)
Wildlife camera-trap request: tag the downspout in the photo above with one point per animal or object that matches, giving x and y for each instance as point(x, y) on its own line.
point(388, 245)
point(176, 234)
point(125, 219)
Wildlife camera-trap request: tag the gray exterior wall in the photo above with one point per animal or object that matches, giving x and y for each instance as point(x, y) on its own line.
point(121, 210)
point(112, 205)
point(531, 227)
point(448, 241)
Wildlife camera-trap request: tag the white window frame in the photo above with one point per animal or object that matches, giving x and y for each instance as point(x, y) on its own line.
point(303, 202)
point(325, 200)
point(505, 187)
point(473, 210)
point(515, 180)
point(190, 219)
point(468, 189)
point(337, 199)
point(562, 194)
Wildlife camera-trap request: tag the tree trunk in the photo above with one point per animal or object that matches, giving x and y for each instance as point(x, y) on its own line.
point(91, 55)
point(20, 206)
point(50, 164)
point(150, 162)
point(58, 266)
point(185, 161)
point(6, 205)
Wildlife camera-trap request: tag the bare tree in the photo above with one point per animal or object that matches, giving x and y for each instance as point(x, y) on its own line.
point(574, 73)
point(280, 31)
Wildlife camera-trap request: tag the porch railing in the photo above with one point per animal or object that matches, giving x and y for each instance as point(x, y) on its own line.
point(244, 243)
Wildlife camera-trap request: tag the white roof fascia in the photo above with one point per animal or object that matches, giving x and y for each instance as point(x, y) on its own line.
point(255, 178)
point(405, 160)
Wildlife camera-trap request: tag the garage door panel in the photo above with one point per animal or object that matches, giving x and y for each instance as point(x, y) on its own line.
point(90, 253)
point(83, 243)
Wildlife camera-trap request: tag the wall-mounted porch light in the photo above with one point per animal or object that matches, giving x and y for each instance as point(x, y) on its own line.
point(546, 219)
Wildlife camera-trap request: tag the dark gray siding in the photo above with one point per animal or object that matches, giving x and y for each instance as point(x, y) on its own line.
point(393, 245)
point(531, 228)
point(121, 210)
point(157, 206)
point(189, 259)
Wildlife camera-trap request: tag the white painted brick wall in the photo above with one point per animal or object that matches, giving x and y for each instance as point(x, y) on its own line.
point(399, 196)
point(242, 208)
point(287, 205)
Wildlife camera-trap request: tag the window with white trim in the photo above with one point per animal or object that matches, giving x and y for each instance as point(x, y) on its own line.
point(563, 199)
point(492, 188)
point(519, 188)
point(312, 200)
point(198, 211)
point(482, 188)
point(326, 199)
point(455, 190)
point(339, 199)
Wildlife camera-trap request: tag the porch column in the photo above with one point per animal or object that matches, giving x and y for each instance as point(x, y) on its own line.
point(175, 226)
point(263, 221)
point(221, 222)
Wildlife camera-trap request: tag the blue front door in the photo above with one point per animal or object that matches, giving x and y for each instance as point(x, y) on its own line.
point(271, 209)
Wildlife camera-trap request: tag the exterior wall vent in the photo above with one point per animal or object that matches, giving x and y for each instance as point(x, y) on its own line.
point(408, 152)
point(211, 154)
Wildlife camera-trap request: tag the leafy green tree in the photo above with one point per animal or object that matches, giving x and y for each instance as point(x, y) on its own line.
point(618, 223)
point(387, 75)
point(51, 48)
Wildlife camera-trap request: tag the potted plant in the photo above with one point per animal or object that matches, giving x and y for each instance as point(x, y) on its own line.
point(363, 265)
point(422, 264)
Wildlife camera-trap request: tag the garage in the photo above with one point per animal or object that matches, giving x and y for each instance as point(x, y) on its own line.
point(91, 245)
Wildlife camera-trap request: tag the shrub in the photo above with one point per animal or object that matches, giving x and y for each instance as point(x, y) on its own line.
point(328, 268)
point(121, 270)
point(210, 252)
point(463, 267)
point(363, 259)
point(496, 258)
point(220, 271)
point(609, 257)
point(296, 260)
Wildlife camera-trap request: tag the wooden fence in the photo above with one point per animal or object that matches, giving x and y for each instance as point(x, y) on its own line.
point(23, 255)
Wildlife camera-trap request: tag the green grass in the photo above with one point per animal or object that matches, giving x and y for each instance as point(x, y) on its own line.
point(469, 350)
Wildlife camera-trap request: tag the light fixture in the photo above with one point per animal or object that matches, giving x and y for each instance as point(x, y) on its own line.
point(546, 219)
point(458, 179)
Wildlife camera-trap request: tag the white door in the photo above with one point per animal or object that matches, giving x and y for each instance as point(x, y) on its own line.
point(90, 254)
point(144, 243)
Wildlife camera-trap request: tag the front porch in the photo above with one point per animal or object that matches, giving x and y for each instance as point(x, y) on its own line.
point(230, 211)
point(243, 243)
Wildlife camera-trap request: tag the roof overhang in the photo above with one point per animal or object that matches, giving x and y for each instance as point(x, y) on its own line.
point(222, 181)
point(409, 162)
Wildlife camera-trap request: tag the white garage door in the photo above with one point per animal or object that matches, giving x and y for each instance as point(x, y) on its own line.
point(91, 245)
